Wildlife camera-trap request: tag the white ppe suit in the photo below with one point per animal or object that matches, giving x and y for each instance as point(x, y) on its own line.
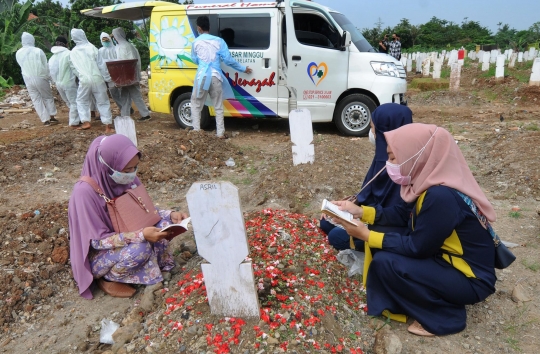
point(105, 53)
point(35, 72)
point(126, 50)
point(83, 61)
point(65, 81)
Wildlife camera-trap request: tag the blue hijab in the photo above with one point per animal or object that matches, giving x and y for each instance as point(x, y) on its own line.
point(382, 191)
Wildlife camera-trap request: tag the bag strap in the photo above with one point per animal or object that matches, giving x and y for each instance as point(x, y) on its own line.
point(92, 182)
point(481, 217)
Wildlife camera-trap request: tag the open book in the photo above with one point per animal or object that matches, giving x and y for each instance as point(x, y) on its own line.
point(333, 211)
point(177, 229)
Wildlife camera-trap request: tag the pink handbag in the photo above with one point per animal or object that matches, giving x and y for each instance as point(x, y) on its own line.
point(131, 211)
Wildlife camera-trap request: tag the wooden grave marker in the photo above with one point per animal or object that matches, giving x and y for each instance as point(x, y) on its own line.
point(303, 150)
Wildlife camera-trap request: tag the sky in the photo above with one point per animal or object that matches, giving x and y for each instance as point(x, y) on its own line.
point(519, 14)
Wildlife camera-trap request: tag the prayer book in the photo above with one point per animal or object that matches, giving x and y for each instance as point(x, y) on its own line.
point(177, 229)
point(333, 211)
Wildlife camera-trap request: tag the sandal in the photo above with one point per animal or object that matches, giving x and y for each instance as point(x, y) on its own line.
point(416, 328)
point(116, 289)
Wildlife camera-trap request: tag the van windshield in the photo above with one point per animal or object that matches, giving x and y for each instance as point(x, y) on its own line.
point(356, 36)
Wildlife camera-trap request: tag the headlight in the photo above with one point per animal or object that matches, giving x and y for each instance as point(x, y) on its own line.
point(385, 69)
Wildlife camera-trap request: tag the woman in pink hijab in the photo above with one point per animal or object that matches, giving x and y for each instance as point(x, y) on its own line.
point(446, 259)
point(97, 252)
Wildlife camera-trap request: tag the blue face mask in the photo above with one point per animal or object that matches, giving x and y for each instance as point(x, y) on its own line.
point(120, 177)
point(106, 44)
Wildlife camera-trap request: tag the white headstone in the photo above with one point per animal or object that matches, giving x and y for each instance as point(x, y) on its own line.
point(493, 56)
point(532, 53)
point(426, 64)
point(485, 61)
point(520, 57)
point(303, 150)
point(480, 55)
point(535, 75)
point(512, 61)
point(221, 240)
point(418, 64)
point(510, 52)
point(403, 60)
point(455, 76)
point(472, 55)
point(499, 69)
point(413, 56)
point(437, 66)
point(409, 65)
point(526, 56)
point(506, 54)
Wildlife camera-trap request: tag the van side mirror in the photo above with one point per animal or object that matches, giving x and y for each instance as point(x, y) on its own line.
point(345, 40)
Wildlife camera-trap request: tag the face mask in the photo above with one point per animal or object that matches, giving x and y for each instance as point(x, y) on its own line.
point(120, 177)
point(394, 170)
point(106, 44)
point(371, 137)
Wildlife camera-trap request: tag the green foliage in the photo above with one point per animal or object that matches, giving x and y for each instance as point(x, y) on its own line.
point(6, 83)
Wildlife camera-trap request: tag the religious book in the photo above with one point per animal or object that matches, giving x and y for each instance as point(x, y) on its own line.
point(333, 211)
point(177, 229)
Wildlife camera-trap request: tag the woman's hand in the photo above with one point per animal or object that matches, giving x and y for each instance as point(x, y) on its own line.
point(154, 234)
point(360, 231)
point(352, 208)
point(177, 217)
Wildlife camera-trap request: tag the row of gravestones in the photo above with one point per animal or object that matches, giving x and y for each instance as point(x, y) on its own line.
point(424, 60)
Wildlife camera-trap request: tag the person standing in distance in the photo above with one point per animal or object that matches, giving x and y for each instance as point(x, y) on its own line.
point(208, 52)
point(383, 45)
point(395, 47)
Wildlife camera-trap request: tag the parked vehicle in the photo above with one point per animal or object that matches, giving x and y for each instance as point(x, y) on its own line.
point(303, 55)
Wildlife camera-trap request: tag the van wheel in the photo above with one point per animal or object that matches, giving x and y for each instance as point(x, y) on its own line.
point(353, 115)
point(182, 112)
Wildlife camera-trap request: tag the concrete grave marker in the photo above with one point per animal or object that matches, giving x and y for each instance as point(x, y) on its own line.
point(221, 239)
point(455, 77)
point(512, 62)
point(426, 64)
point(526, 56)
point(418, 64)
point(480, 55)
point(409, 65)
point(532, 53)
point(437, 65)
point(493, 56)
point(535, 75)
point(303, 150)
point(485, 61)
point(499, 70)
point(520, 57)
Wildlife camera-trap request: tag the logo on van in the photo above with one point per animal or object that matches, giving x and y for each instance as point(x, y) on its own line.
point(317, 72)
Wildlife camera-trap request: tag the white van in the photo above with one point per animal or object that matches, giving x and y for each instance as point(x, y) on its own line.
point(303, 55)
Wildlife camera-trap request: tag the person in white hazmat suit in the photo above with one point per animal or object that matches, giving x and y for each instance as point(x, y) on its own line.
point(83, 61)
point(126, 50)
point(35, 72)
point(105, 53)
point(64, 79)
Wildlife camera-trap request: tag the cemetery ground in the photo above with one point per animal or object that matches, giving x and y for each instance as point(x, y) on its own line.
point(309, 304)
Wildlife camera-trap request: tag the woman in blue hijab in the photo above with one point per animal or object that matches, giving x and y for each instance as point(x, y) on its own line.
point(381, 193)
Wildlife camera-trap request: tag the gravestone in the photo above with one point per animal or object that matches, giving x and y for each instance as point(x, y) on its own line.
point(461, 56)
point(455, 76)
point(301, 127)
point(480, 56)
point(506, 54)
point(512, 61)
point(220, 234)
point(535, 75)
point(509, 56)
point(520, 57)
point(418, 68)
point(499, 69)
point(485, 61)
point(532, 53)
point(409, 65)
point(472, 55)
point(426, 64)
point(493, 56)
point(437, 65)
point(526, 56)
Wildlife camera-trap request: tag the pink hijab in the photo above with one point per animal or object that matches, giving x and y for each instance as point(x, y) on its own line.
point(87, 212)
point(441, 163)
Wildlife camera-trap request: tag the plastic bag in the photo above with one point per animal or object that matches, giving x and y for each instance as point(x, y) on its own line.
point(353, 260)
point(126, 126)
point(108, 327)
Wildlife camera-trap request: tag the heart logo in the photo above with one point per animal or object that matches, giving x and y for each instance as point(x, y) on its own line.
point(317, 72)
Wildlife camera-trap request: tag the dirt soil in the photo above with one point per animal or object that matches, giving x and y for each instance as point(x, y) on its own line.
point(309, 304)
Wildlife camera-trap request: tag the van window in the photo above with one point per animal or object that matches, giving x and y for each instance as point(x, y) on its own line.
point(314, 30)
point(243, 32)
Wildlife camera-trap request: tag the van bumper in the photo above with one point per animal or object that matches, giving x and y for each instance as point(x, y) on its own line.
point(386, 89)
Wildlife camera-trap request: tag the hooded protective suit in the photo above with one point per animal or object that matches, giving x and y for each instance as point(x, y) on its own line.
point(35, 72)
point(83, 61)
point(105, 53)
point(126, 50)
point(64, 78)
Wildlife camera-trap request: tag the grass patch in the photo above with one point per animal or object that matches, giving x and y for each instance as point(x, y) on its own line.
point(532, 265)
point(514, 214)
point(427, 84)
point(445, 72)
point(490, 72)
point(532, 127)
point(2, 93)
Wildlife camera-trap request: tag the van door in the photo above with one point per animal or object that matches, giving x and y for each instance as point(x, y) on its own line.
point(252, 39)
point(317, 68)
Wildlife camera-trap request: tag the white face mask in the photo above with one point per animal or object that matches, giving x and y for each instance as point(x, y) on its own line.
point(118, 176)
point(371, 137)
